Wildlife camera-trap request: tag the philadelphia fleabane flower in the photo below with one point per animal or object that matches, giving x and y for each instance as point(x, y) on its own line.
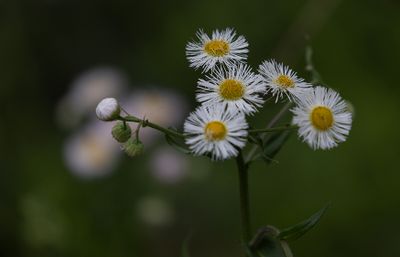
point(213, 130)
point(236, 88)
point(281, 80)
point(223, 47)
point(323, 118)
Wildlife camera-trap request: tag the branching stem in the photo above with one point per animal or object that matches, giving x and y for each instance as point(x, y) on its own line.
point(266, 130)
point(146, 123)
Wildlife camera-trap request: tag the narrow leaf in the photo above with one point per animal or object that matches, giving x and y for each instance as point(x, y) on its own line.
point(274, 144)
point(180, 146)
point(256, 139)
point(298, 230)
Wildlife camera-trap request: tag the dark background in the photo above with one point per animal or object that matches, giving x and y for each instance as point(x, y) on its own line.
point(45, 210)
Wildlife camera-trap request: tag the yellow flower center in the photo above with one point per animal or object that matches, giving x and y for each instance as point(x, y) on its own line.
point(322, 118)
point(216, 48)
point(284, 81)
point(231, 89)
point(215, 131)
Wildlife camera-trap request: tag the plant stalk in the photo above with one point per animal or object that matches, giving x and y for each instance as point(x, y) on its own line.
point(146, 123)
point(244, 200)
point(266, 130)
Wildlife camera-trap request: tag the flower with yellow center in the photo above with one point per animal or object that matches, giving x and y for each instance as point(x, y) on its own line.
point(231, 89)
point(323, 118)
point(281, 80)
point(284, 81)
point(237, 88)
point(216, 48)
point(214, 130)
point(223, 47)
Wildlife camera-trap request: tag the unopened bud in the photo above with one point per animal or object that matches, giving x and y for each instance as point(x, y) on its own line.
point(121, 132)
point(133, 147)
point(108, 109)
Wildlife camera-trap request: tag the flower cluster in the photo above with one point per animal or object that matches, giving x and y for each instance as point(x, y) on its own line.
point(230, 90)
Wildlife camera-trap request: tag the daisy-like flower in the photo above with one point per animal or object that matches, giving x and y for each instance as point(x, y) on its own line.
point(212, 129)
point(236, 88)
point(223, 47)
point(323, 118)
point(281, 80)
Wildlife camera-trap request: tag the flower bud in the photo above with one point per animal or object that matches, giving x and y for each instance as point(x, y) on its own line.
point(121, 132)
point(108, 109)
point(133, 147)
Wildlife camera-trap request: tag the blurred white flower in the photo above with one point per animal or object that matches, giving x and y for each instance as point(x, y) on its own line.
point(85, 93)
point(92, 152)
point(155, 211)
point(164, 107)
point(168, 165)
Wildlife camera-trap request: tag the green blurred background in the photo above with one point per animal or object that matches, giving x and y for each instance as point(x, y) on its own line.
point(47, 210)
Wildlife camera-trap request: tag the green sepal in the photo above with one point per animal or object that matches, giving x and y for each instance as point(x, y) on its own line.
point(298, 230)
point(121, 132)
point(133, 147)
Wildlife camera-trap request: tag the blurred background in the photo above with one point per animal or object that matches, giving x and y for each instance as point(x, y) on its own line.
point(67, 190)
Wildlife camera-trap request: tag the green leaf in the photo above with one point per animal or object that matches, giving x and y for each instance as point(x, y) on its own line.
point(256, 139)
point(180, 146)
point(298, 230)
point(266, 244)
point(274, 144)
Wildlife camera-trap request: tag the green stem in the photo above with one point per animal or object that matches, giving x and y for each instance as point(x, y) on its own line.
point(266, 130)
point(146, 123)
point(272, 123)
point(244, 200)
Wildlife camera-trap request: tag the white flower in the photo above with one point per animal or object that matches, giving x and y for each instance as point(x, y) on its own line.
point(236, 87)
point(212, 129)
point(282, 80)
point(323, 118)
point(108, 109)
point(169, 166)
point(90, 153)
point(166, 108)
point(223, 47)
point(85, 93)
point(155, 211)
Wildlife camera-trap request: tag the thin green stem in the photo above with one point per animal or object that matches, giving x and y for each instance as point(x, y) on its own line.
point(146, 123)
point(244, 200)
point(315, 76)
point(266, 130)
point(272, 123)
